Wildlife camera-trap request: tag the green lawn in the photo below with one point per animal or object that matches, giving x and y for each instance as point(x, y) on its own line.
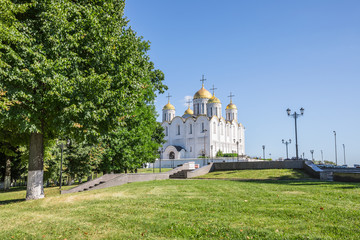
point(261, 174)
point(188, 209)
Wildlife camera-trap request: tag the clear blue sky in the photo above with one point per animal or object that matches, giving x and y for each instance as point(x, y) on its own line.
point(272, 55)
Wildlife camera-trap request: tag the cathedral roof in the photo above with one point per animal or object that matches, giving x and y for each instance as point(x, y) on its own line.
point(168, 106)
point(214, 99)
point(231, 106)
point(202, 93)
point(189, 111)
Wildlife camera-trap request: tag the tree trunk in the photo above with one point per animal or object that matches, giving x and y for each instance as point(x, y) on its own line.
point(35, 186)
point(7, 181)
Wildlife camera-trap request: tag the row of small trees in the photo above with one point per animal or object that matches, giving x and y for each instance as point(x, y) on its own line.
point(75, 70)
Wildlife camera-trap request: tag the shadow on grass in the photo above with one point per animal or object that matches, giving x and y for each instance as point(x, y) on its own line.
point(4, 202)
point(14, 189)
point(299, 182)
point(349, 187)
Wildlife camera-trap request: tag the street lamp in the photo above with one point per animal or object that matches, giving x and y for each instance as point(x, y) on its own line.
point(211, 153)
point(263, 147)
point(286, 143)
point(237, 155)
point(161, 152)
point(322, 156)
point(344, 154)
point(312, 155)
point(61, 145)
point(335, 149)
point(205, 130)
point(295, 115)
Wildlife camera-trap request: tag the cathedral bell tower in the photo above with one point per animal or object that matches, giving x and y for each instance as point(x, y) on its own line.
point(201, 99)
point(214, 105)
point(231, 110)
point(168, 111)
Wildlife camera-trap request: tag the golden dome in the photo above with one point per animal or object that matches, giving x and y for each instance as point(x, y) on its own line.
point(189, 111)
point(202, 93)
point(168, 106)
point(214, 99)
point(231, 106)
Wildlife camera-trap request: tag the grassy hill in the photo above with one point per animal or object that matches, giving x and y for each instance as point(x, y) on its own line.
point(189, 209)
point(261, 174)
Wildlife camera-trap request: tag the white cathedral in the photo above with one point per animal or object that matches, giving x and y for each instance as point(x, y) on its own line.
point(202, 131)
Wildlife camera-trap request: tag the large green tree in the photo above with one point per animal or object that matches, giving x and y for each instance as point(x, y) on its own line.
point(76, 70)
point(131, 146)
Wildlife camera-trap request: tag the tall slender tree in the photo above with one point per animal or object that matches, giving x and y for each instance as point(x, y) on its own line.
point(73, 68)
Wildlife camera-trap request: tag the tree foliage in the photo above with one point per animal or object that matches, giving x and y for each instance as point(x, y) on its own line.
point(131, 146)
point(71, 68)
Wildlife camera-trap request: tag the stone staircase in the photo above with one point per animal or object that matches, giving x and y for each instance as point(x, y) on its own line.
point(93, 184)
point(180, 175)
point(327, 176)
point(111, 180)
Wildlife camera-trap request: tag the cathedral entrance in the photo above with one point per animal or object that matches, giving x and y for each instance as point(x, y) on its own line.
point(171, 155)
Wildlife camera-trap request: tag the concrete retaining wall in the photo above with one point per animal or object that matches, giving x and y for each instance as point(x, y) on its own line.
point(291, 164)
point(111, 180)
point(200, 171)
point(346, 177)
point(104, 178)
point(317, 172)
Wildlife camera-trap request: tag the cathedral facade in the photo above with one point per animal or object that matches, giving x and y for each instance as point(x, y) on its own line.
point(203, 130)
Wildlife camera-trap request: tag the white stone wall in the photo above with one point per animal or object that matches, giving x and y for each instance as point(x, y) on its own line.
point(221, 135)
point(200, 106)
point(214, 109)
point(168, 114)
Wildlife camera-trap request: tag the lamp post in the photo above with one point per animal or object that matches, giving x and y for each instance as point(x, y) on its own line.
point(322, 156)
point(62, 149)
point(263, 147)
point(295, 115)
point(161, 151)
point(286, 143)
point(335, 149)
point(205, 130)
point(344, 154)
point(237, 155)
point(312, 155)
point(61, 145)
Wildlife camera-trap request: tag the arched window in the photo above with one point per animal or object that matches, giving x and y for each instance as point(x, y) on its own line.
point(211, 112)
point(190, 129)
point(166, 131)
point(202, 108)
point(178, 129)
point(202, 127)
point(169, 117)
point(216, 111)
